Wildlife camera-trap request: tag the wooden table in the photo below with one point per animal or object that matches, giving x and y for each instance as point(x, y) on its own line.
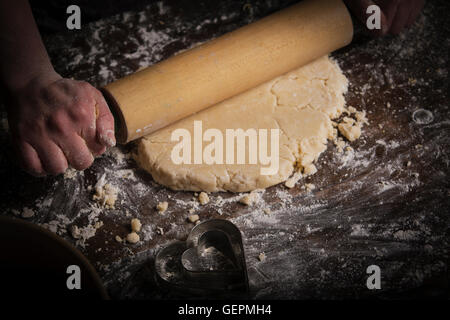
point(386, 204)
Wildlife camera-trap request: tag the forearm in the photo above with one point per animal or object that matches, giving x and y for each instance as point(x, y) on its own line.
point(23, 56)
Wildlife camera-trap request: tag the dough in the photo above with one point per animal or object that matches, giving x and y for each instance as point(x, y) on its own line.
point(162, 206)
point(193, 218)
point(300, 104)
point(203, 198)
point(133, 237)
point(105, 194)
point(135, 225)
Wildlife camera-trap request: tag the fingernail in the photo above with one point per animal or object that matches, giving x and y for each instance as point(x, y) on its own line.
point(109, 138)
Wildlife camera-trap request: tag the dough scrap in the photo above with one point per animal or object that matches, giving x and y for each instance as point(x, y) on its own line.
point(290, 183)
point(203, 198)
point(135, 225)
point(301, 104)
point(262, 257)
point(249, 199)
point(162, 206)
point(193, 218)
point(105, 193)
point(133, 237)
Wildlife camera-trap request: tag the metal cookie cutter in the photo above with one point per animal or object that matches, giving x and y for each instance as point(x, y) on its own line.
point(210, 261)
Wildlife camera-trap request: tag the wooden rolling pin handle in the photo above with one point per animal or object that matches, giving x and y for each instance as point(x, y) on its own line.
point(231, 64)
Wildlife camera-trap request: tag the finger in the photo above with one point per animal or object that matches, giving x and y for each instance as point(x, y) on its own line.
point(105, 123)
point(400, 19)
point(89, 135)
point(29, 159)
point(52, 158)
point(76, 152)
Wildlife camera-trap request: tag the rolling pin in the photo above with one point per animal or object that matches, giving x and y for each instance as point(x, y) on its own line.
point(198, 78)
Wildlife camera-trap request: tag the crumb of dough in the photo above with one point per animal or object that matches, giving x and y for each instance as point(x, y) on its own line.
point(82, 234)
point(252, 197)
point(27, 213)
point(118, 239)
point(70, 173)
point(262, 256)
point(350, 130)
point(361, 117)
point(136, 225)
point(309, 170)
point(133, 237)
point(334, 132)
point(340, 144)
point(248, 199)
point(98, 224)
point(191, 210)
point(105, 193)
point(309, 187)
point(267, 211)
point(75, 232)
point(290, 183)
point(110, 196)
point(160, 230)
point(193, 218)
point(203, 198)
point(351, 109)
point(162, 206)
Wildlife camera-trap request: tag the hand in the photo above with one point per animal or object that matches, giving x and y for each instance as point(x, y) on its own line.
point(395, 14)
point(56, 122)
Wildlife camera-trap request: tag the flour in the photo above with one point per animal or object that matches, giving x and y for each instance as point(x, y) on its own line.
point(359, 231)
point(71, 173)
point(105, 193)
point(27, 213)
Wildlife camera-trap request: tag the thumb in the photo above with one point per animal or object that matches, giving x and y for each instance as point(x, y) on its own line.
point(104, 123)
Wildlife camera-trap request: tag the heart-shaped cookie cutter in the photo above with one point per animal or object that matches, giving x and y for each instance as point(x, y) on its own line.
point(210, 261)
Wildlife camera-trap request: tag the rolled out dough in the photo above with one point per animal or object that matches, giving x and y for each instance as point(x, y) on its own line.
point(301, 104)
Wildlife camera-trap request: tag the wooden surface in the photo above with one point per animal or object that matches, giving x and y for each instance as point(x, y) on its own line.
point(387, 203)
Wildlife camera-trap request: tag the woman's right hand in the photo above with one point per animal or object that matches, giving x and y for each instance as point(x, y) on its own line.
point(57, 122)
